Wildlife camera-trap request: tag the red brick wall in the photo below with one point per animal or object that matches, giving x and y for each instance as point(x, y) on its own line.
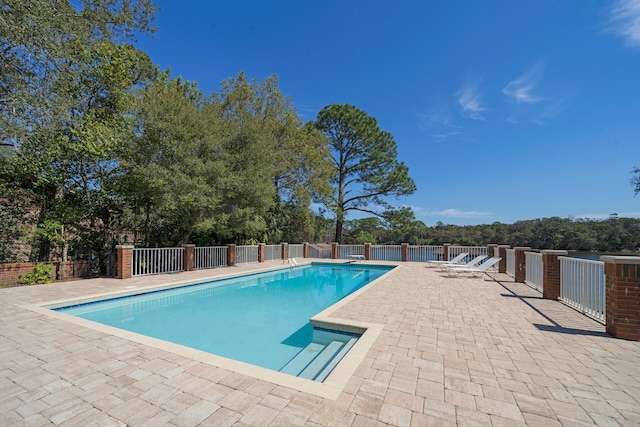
point(622, 297)
point(9, 272)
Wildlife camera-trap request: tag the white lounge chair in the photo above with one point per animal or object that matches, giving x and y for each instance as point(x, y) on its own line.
point(474, 262)
point(475, 271)
point(456, 260)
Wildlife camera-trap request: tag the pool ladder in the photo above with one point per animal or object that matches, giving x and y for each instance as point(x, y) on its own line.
point(292, 262)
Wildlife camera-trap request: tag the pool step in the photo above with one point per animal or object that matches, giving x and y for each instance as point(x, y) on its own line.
point(316, 361)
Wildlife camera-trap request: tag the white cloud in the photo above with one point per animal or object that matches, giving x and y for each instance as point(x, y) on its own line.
point(456, 213)
point(469, 101)
point(625, 21)
point(521, 90)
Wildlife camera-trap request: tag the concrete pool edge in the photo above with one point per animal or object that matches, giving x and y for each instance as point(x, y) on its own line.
point(330, 388)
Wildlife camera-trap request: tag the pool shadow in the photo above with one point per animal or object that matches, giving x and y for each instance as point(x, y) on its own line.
point(300, 338)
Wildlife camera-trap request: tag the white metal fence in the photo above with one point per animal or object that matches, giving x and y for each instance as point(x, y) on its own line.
point(345, 251)
point(534, 270)
point(210, 257)
point(386, 253)
point(582, 285)
point(272, 252)
point(473, 251)
point(148, 261)
point(246, 254)
point(322, 252)
point(424, 253)
point(295, 251)
point(511, 262)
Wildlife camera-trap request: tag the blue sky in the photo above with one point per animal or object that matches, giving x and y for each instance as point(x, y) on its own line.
point(502, 110)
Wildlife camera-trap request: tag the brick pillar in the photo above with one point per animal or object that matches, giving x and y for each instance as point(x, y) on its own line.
point(404, 248)
point(367, 251)
point(622, 296)
point(520, 273)
point(551, 273)
point(231, 255)
point(305, 250)
point(492, 250)
point(125, 261)
point(284, 253)
point(445, 251)
point(334, 250)
point(261, 249)
point(502, 253)
point(189, 257)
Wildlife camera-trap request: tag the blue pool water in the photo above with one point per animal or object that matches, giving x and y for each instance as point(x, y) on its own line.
point(262, 319)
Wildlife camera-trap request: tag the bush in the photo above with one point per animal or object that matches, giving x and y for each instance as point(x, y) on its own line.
point(40, 274)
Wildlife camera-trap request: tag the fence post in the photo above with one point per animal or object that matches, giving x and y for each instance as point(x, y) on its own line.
point(520, 273)
point(492, 250)
point(125, 261)
point(622, 296)
point(502, 253)
point(551, 273)
point(334, 250)
point(284, 253)
point(367, 251)
point(188, 257)
point(305, 250)
point(445, 251)
point(261, 249)
point(231, 255)
point(404, 248)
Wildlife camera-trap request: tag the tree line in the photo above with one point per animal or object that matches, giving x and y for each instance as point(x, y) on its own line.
point(611, 235)
point(100, 147)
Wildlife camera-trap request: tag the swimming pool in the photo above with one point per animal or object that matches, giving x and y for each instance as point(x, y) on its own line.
point(261, 319)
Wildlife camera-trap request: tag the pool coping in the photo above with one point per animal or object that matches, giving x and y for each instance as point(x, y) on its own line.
point(330, 388)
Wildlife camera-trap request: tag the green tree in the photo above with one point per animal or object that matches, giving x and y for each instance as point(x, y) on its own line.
point(635, 181)
point(364, 157)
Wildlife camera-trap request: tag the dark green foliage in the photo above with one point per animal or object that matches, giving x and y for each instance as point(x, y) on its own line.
point(41, 274)
point(610, 235)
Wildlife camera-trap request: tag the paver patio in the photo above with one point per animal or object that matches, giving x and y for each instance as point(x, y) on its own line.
point(452, 351)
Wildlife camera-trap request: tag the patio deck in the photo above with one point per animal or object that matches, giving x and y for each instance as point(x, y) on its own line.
point(451, 351)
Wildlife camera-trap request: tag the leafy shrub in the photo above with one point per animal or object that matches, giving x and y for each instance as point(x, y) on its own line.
point(40, 274)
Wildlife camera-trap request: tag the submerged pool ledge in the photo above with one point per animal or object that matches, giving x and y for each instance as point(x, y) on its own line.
point(330, 388)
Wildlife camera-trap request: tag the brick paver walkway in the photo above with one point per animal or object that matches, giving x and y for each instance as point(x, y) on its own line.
point(452, 352)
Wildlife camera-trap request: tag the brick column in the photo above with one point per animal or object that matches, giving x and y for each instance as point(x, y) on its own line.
point(502, 253)
point(284, 253)
point(231, 255)
point(404, 248)
point(622, 296)
point(492, 250)
point(551, 273)
point(367, 251)
point(445, 251)
point(261, 249)
point(305, 250)
point(334, 250)
point(125, 261)
point(520, 273)
point(188, 257)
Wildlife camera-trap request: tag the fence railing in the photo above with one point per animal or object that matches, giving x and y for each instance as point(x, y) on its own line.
point(345, 251)
point(473, 251)
point(246, 254)
point(148, 261)
point(295, 251)
point(582, 286)
point(322, 252)
point(210, 257)
point(386, 253)
point(272, 252)
point(534, 270)
point(511, 262)
point(424, 253)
